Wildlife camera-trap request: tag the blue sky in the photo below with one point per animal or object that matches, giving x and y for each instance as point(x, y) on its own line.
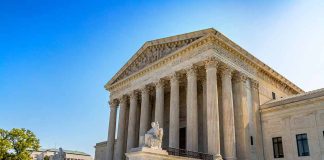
point(56, 56)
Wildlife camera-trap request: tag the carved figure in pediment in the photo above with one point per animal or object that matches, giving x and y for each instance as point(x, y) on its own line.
point(145, 59)
point(166, 50)
point(152, 54)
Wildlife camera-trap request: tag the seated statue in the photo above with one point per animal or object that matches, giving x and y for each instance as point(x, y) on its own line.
point(153, 137)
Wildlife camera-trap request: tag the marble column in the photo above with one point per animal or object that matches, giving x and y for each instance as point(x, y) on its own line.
point(192, 110)
point(241, 117)
point(228, 114)
point(257, 119)
point(112, 129)
point(145, 118)
point(159, 103)
point(213, 134)
point(131, 135)
point(174, 112)
point(119, 149)
point(205, 145)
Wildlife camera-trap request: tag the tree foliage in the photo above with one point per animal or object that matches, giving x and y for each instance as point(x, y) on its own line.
point(5, 144)
point(46, 158)
point(17, 144)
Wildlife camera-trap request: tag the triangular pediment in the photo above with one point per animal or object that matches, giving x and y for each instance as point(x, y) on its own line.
point(148, 56)
point(154, 50)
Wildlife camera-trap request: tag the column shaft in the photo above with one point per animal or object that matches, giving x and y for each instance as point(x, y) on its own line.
point(174, 113)
point(145, 118)
point(228, 115)
point(213, 134)
point(192, 115)
point(132, 122)
point(241, 117)
point(119, 149)
point(159, 103)
point(257, 119)
point(111, 130)
point(205, 145)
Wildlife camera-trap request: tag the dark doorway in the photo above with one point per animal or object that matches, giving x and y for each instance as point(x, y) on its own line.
point(182, 138)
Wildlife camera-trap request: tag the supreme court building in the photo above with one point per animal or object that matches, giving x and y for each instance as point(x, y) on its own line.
point(211, 96)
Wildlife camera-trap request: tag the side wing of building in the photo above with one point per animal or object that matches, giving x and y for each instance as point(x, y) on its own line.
point(293, 128)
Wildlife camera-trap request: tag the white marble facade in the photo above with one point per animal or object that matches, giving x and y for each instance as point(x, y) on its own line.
point(286, 118)
point(204, 91)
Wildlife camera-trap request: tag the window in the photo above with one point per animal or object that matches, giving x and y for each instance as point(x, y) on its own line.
point(251, 140)
point(273, 95)
point(302, 145)
point(277, 147)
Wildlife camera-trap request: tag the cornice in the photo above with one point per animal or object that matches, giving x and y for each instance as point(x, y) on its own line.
point(294, 104)
point(244, 55)
point(275, 104)
point(263, 71)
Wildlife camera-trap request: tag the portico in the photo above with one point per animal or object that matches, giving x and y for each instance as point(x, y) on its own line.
point(197, 82)
point(211, 66)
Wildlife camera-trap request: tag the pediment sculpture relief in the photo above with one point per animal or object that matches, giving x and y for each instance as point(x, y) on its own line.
point(152, 54)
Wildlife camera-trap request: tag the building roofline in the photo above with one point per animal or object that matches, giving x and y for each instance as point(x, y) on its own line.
point(211, 31)
point(293, 99)
point(66, 151)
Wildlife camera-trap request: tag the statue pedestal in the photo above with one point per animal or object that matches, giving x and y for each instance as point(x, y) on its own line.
point(145, 153)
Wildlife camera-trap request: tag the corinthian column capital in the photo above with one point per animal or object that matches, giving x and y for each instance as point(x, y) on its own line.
point(133, 94)
point(211, 62)
point(226, 71)
point(239, 77)
point(145, 90)
point(174, 77)
point(123, 100)
point(113, 103)
point(160, 83)
point(254, 84)
point(192, 71)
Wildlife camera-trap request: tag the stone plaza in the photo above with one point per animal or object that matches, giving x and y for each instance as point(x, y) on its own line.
point(211, 96)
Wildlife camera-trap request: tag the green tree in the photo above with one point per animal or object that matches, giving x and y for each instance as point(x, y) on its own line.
point(46, 158)
point(5, 145)
point(17, 144)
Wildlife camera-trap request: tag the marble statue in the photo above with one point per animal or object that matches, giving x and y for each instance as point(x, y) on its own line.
point(59, 155)
point(153, 137)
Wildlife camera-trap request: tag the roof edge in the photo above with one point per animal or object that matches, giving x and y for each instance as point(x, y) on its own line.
point(259, 63)
point(293, 99)
point(229, 42)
